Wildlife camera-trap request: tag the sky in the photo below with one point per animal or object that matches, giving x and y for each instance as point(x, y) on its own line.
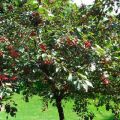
point(87, 2)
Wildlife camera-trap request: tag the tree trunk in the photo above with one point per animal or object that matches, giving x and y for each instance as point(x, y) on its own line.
point(60, 108)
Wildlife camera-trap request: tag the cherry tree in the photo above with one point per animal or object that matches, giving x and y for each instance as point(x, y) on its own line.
point(59, 51)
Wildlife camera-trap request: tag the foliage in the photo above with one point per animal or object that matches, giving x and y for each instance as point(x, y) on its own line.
point(59, 51)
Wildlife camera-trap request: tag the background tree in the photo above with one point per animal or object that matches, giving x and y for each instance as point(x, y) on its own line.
point(57, 50)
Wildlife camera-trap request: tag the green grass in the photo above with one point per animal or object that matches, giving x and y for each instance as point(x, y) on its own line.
point(33, 111)
point(101, 113)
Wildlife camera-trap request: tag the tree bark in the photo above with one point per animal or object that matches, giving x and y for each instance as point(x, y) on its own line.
point(60, 108)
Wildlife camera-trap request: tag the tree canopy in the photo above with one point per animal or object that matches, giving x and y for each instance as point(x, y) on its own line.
point(56, 50)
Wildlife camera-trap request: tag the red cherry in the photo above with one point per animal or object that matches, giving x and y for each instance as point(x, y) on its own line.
point(69, 42)
point(10, 8)
point(87, 44)
point(33, 33)
point(3, 77)
point(48, 62)
point(106, 81)
point(14, 53)
point(13, 78)
point(26, 48)
point(10, 47)
point(75, 41)
point(1, 54)
point(43, 47)
point(35, 14)
point(72, 42)
point(2, 39)
point(103, 77)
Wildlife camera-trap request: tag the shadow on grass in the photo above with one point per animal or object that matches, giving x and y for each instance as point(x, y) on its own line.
point(7, 98)
point(106, 117)
point(110, 118)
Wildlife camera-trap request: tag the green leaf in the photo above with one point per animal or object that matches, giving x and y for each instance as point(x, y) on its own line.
point(21, 49)
point(84, 77)
point(42, 10)
point(78, 86)
point(70, 77)
point(100, 51)
point(85, 86)
point(57, 69)
point(88, 83)
point(33, 3)
point(75, 82)
point(64, 68)
point(44, 55)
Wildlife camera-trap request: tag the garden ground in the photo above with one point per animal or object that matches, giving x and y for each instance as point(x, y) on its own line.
point(32, 110)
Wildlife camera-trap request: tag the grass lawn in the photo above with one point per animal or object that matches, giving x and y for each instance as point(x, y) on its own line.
point(33, 111)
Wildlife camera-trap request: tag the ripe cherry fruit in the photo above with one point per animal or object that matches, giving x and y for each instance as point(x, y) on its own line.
point(2, 39)
point(43, 47)
point(35, 14)
point(87, 44)
point(75, 41)
point(48, 62)
point(72, 42)
point(13, 78)
point(14, 53)
point(1, 53)
point(33, 33)
point(3, 77)
point(106, 81)
point(10, 8)
point(69, 42)
point(10, 47)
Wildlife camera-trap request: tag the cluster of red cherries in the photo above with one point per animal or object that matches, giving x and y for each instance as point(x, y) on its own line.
point(74, 42)
point(6, 78)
